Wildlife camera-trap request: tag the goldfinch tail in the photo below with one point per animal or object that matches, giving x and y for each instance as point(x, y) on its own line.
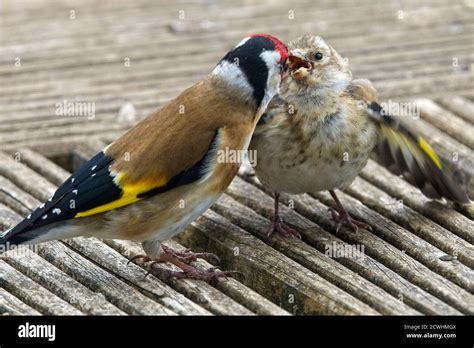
point(19, 235)
point(4, 245)
point(13, 237)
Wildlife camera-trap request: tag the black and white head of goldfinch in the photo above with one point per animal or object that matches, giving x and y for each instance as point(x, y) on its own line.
point(318, 132)
point(164, 173)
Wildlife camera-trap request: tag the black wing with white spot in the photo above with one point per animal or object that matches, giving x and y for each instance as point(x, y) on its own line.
point(94, 189)
point(90, 186)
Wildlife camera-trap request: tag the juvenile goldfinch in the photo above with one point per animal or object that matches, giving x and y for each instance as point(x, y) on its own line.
point(318, 132)
point(164, 173)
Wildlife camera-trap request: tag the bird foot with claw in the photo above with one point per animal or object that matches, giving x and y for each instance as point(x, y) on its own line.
point(345, 219)
point(187, 256)
point(279, 227)
point(209, 276)
point(140, 256)
point(182, 260)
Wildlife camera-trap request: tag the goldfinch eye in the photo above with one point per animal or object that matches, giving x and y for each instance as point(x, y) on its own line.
point(318, 56)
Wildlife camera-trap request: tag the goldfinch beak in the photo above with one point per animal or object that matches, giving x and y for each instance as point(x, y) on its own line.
point(298, 65)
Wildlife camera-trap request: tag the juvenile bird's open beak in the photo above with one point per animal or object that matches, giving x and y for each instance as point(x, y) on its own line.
point(299, 66)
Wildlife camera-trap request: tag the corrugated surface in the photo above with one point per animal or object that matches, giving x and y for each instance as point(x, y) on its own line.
point(418, 259)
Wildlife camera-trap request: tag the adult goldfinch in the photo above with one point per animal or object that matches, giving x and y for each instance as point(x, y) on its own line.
point(318, 132)
point(164, 173)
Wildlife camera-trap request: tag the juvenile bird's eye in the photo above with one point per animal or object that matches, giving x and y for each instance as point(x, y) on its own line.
point(318, 56)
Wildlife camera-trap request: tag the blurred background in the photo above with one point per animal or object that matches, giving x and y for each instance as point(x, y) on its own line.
point(111, 53)
point(74, 75)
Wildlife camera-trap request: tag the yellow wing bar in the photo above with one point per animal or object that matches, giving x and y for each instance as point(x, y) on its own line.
point(129, 196)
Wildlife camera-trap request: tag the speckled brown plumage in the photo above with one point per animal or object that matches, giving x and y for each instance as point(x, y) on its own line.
point(318, 133)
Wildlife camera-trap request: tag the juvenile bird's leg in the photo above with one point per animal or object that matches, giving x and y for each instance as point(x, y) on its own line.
point(342, 217)
point(278, 226)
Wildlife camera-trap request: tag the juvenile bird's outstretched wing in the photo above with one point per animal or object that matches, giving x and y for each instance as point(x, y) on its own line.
point(404, 152)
